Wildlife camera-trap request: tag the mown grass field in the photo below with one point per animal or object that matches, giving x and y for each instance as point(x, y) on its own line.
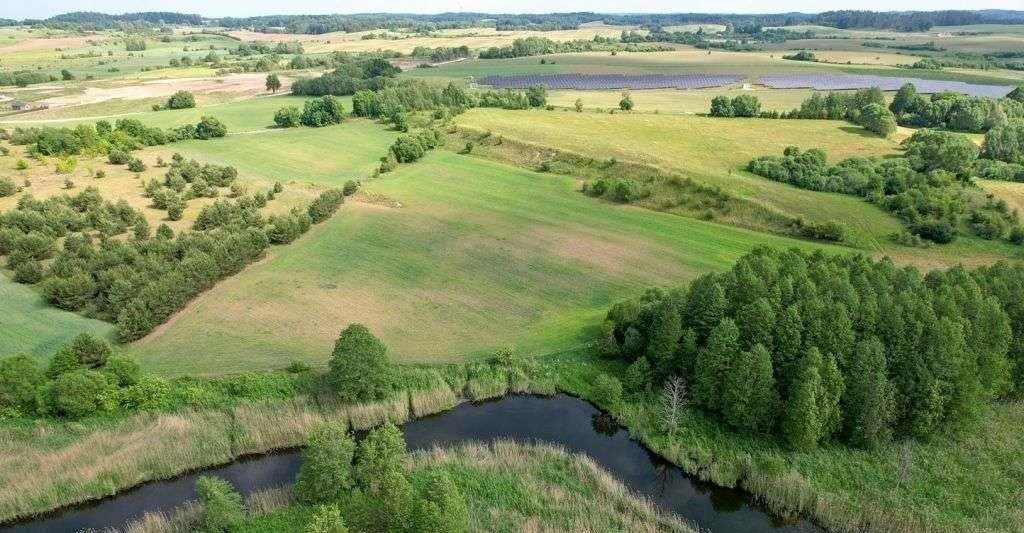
point(715, 151)
point(29, 325)
point(712, 150)
point(324, 156)
point(448, 258)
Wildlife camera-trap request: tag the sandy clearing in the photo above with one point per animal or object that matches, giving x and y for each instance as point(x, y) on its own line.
point(254, 83)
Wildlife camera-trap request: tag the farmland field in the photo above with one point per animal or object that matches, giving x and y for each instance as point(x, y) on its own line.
point(457, 238)
point(495, 237)
point(28, 325)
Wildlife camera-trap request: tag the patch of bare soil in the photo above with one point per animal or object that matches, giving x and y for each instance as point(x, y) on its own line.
point(248, 83)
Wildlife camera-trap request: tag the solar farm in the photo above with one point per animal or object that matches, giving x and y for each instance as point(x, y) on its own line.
point(827, 82)
point(823, 82)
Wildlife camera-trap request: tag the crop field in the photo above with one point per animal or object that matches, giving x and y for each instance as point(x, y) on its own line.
point(324, 156)
point(246, 115)
point(708, 149)
point(463, 240)
point(102, 54)
point(373, 40)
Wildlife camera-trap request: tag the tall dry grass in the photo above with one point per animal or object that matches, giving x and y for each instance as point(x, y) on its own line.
point(513, 470)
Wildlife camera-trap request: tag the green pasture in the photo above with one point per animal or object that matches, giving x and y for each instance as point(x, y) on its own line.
point(28, 325)
point(447, 258)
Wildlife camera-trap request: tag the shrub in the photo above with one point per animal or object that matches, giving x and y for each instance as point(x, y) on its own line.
point(442, 507)
point(7, 187)
point(626, 104)
point(326, 471)
point(288, 117)
point(407, 149)
point(136, 165)
point(28, 272)
point(181, 100)
point(119, 157)
point(325, 205)
point(607, 390)
point(327, 519)
point(323, 111)
point(123, 370)
point(20, 379)
point(79, 393)
point(20, 165)
point(92, 352)
point(350, 188)
point(209, 128)
point(359, 367)
point(625, 190)
point(66, 165)
point(222, 506)
point(149, 393)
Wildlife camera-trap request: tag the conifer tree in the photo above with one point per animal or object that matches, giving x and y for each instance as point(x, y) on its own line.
point(801, 423)
point(712, 363)
point(749, 399)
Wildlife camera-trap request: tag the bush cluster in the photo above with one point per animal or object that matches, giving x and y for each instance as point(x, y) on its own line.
point(102, 138)
point(928, 188)
point(744, 105)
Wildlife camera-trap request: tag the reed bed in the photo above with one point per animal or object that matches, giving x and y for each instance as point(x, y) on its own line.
point(274, 424)
point(364, 416)
point(71, 463)
point(541, 487)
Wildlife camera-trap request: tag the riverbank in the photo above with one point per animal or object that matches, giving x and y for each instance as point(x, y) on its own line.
point(973, 482)
point(528, 487)
point(921, 488)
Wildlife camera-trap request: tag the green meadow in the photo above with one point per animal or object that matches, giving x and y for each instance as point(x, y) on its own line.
point(492, 254)
point(28, 325)
point(715, 151)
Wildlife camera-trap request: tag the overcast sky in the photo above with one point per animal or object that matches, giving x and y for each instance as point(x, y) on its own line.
point(19, 9)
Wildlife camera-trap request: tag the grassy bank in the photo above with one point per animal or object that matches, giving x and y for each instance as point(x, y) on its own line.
point(508, 487)
point(967, 483)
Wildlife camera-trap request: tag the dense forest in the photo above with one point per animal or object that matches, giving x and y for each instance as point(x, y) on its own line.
point(814, 347)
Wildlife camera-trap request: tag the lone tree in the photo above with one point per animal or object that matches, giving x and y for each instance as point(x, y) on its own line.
point(359, 368)
point(626, 103)
point(273, 83)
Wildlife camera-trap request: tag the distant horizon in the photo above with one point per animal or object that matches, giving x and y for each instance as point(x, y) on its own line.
point(44, 9)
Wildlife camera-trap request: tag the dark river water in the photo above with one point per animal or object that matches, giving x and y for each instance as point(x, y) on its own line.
point(573, 423)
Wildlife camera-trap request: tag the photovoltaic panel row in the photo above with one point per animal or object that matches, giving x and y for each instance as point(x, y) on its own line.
point(827, 82)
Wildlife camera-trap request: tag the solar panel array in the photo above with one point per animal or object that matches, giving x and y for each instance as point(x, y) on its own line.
point(613, 81)
point(839, 82)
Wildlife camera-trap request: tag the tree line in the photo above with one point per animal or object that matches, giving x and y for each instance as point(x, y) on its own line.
point(813, 347)
point(125, 135)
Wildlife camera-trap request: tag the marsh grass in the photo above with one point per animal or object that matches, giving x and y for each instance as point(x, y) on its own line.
point(486, 382)
point(513, 486)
